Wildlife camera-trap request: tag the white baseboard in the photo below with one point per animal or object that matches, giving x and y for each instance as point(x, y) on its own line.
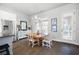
point(66, 42)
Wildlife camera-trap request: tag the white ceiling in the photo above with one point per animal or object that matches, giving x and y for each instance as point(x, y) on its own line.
point(32, 8)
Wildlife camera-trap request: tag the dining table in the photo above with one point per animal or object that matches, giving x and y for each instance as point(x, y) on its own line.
point(38, 37)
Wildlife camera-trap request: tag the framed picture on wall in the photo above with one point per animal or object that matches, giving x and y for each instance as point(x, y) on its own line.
point(54, 24)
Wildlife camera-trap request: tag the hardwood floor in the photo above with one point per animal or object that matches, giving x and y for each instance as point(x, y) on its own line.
point(21, 48)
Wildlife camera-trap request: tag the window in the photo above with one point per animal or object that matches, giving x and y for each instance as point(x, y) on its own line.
point(41, 25)
point(23, 25)
point(44, 27)
point(37, 26)
point(54, 24)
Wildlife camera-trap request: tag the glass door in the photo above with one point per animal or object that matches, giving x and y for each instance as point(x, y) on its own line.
point(67, 27)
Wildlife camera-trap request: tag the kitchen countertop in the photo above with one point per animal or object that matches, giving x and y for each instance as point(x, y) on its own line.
point(6, 36)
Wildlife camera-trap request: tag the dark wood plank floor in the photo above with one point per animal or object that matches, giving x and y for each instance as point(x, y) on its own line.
point(21, 48)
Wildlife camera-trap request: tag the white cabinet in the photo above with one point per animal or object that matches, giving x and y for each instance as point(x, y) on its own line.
point(21, 34)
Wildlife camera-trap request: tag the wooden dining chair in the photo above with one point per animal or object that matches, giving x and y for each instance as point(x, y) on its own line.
point(33, 41)
point(47, 41)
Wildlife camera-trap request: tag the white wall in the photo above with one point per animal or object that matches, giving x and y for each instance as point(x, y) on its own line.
point(59, 12)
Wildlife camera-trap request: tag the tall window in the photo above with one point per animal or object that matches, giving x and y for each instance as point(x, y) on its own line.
point(37, 26)
point(44, 27)
point(41, 25)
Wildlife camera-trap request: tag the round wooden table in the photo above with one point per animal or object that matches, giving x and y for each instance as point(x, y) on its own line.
point(39, 37)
